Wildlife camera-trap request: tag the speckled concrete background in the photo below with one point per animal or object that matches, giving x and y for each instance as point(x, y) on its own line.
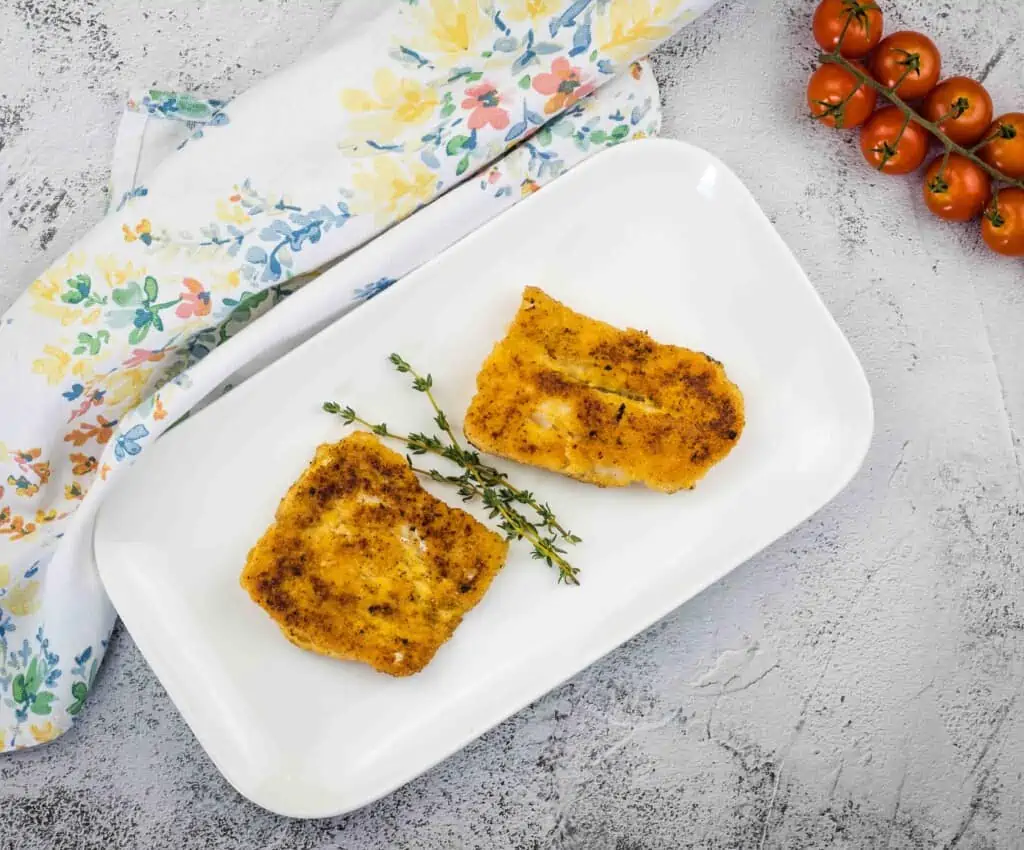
point(856, 686)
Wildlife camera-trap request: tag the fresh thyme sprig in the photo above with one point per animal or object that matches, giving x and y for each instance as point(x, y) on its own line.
point(478, 480)
point(486, 475)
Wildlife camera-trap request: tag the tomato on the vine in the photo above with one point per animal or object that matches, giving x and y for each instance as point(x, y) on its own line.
point(1003, 225)
point(958, 190)
point(910, 59)
point(905, 67)
point(838, 99)
point(857, 22)
point(962, 109)
point(1005, 152)
point(892, 144)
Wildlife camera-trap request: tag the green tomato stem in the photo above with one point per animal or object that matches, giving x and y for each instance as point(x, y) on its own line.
point(835, 58)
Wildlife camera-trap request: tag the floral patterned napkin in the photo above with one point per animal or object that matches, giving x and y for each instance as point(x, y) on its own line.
point(455, 108)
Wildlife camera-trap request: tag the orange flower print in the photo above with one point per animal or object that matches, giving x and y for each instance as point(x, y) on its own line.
point(485, 102)
point(22, 486)
point(94, 399)
point(195, 301)
point(143, 355)
point(30, 467)
point(14, 526)
point(564, 84)
point(82, 464)
point(142, 232)
point(101, 432)
point(159, 412)
point(28, 462)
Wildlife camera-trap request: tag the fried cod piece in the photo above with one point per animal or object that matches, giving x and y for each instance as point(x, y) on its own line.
point(575, 395)
point(362, 563)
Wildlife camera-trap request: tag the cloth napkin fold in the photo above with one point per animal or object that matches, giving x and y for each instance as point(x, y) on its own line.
point(224, 210)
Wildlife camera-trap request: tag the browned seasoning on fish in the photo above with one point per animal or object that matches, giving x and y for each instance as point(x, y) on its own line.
point(578, 396)
point(362, 563)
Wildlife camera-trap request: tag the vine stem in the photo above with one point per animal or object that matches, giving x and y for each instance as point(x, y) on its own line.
point(889, 94)
point(889, 151)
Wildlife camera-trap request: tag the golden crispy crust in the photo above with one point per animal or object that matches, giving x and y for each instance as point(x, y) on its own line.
point(578, 396)
point(362, 563)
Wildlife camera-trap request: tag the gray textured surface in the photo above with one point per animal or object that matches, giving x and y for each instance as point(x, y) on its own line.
point(854, 686)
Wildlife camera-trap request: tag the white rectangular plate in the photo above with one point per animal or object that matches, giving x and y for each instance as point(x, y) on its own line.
point(655, 235)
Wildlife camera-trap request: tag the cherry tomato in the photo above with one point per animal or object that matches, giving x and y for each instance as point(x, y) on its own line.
point(1003, 225)
point(835, 99)
point(1006, 152)
point(962, 109)
point(863, 33)
point(878, 142)
point(960, 192)
point(910, 57)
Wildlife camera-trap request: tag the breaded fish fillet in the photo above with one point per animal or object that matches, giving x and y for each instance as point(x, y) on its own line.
point(362, 563)
point(608, 406)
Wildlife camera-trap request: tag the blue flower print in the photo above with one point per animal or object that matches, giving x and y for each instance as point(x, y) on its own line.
point(128, 443)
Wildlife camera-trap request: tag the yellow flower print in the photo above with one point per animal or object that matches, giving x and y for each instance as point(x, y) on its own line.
point(73, 492)
point(44, 733)
point(626, 28)
point(21, 599)
point(230, 211)
point(117, 274)
point(48, 287)
point(45, 291)
point(124, 388)
point(54, 365)
point(446, 30)
point(61, 312)
point(220, 282)
point(5, 575)
point(142, 230)
point(82, 369)
point(391, 188)
point(91, 317)
point(530, 10)
point(394, 107)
